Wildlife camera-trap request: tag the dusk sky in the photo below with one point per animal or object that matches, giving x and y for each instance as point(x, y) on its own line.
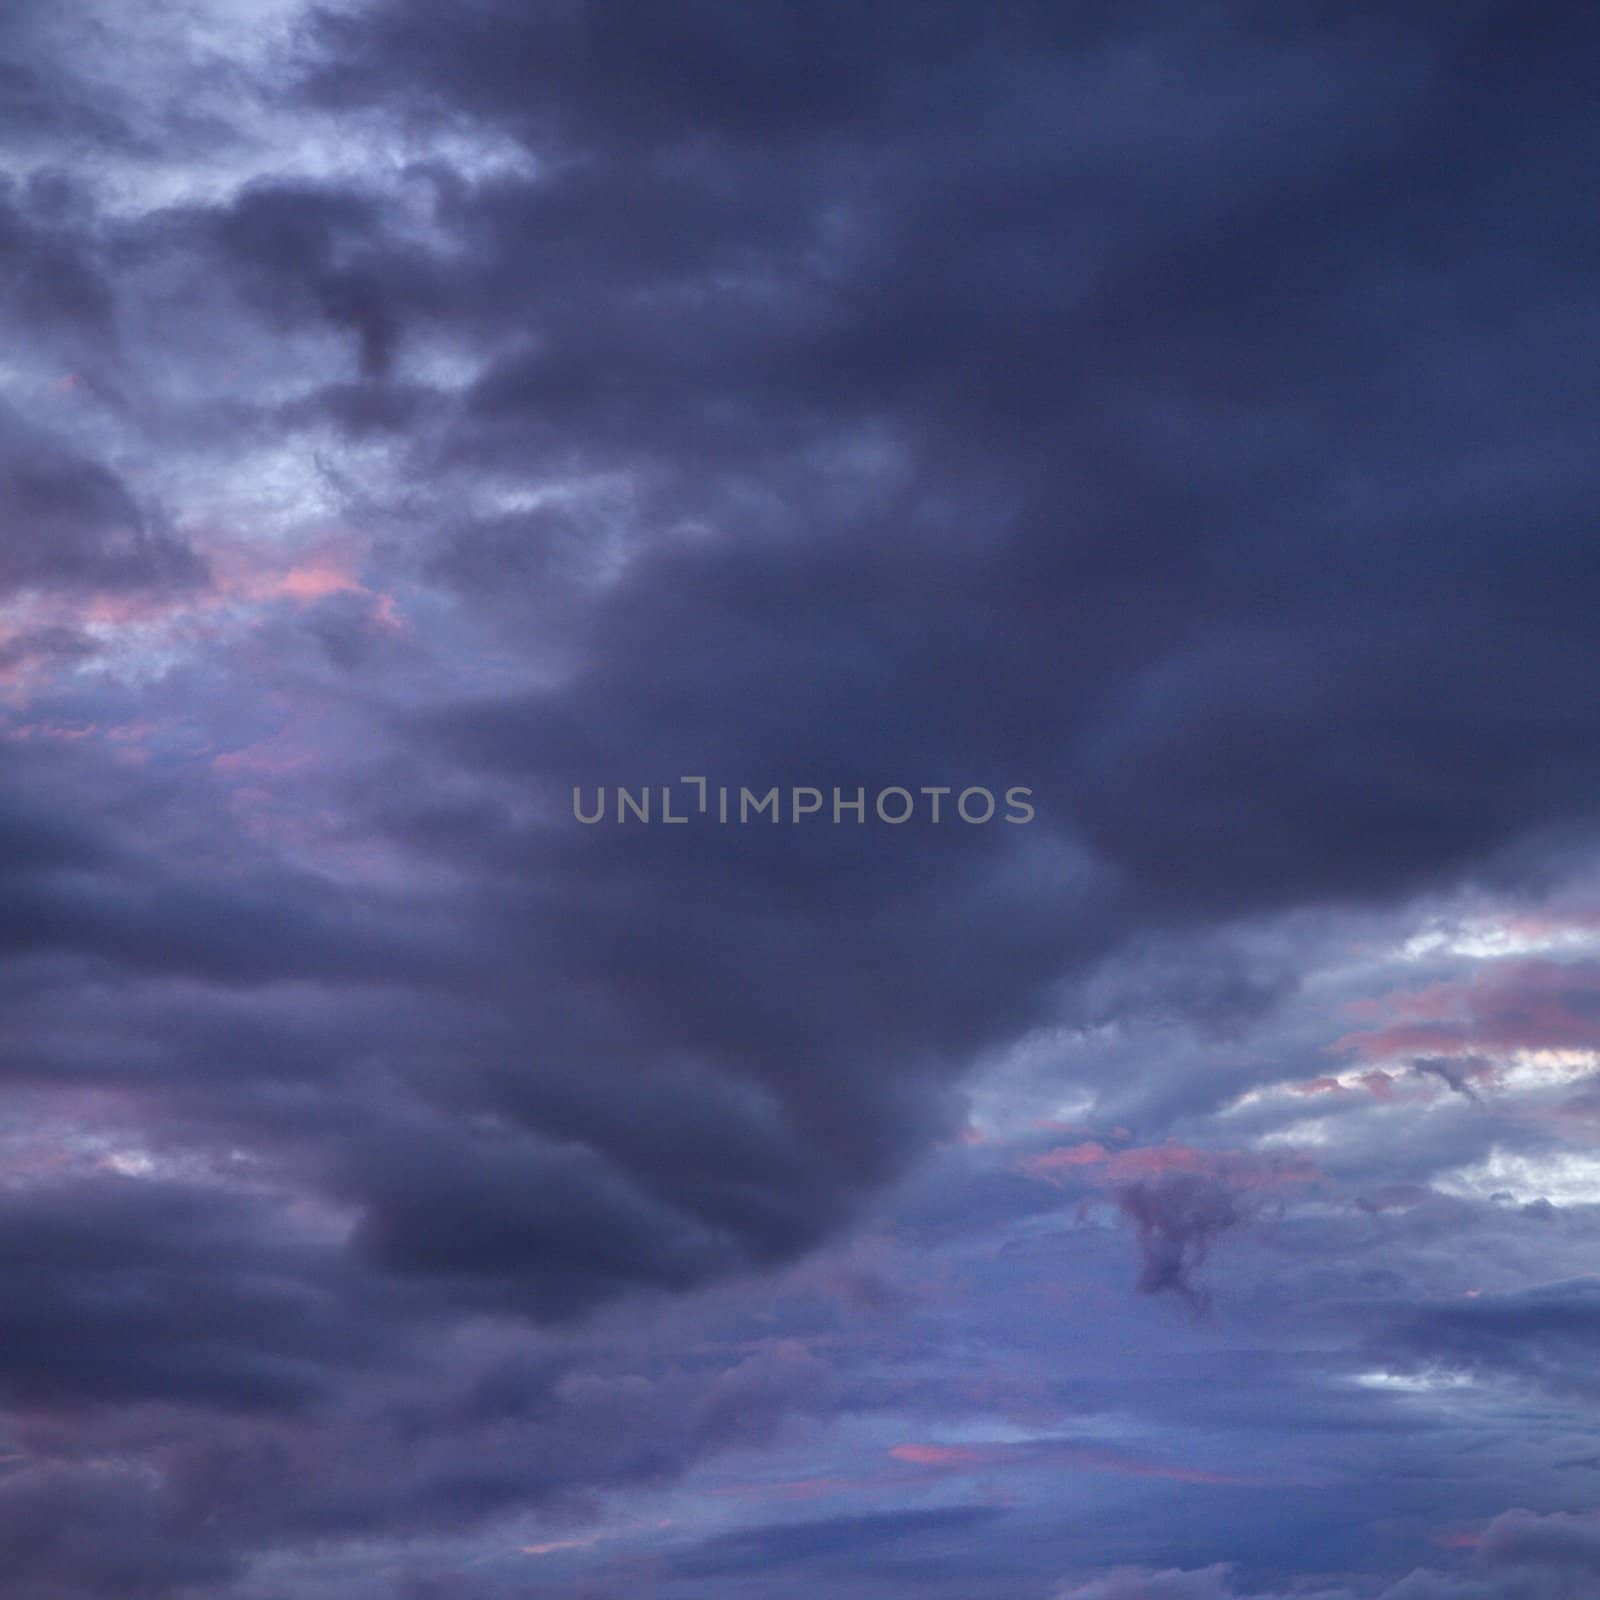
point(421, 420)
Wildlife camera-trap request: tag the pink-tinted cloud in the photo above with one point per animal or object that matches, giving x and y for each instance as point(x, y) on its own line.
point(1064, 1159)
point(316, 581)
point(1512, 1005)
point(1053, 1454)
point(1318, 1086)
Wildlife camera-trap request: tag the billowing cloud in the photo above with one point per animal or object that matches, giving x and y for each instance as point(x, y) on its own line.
point(412, 414)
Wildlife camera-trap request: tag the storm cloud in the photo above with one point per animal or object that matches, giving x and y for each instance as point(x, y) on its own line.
point(414, 413)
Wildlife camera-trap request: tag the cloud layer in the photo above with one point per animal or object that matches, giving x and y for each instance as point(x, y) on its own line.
point(413, 413)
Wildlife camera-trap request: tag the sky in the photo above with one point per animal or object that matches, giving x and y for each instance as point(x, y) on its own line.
point(417, 418)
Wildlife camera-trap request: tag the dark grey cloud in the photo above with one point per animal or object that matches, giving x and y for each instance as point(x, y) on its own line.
point(72, 523)
point(125, 1290)
point(1178, 1217)
point(77, 1533)
point(51, 273)
point(1540, 1336)
point(46, 102)
point(1297, 643)
point(40, 646)
point(298, 252)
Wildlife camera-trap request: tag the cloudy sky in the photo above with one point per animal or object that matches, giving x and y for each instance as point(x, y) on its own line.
point(412, 411)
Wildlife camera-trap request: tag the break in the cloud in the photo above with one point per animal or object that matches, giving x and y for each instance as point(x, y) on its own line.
point(410, 412)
